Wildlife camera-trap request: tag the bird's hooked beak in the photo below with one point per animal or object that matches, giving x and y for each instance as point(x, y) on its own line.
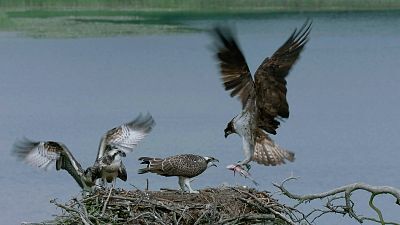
point(212, 162)
point(229, 129)
point(227, 133)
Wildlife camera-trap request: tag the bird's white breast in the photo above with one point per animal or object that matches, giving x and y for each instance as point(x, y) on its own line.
point(242, 124)
point(115, 165)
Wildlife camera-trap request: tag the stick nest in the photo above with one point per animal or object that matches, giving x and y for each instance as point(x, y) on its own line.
point(223, 205)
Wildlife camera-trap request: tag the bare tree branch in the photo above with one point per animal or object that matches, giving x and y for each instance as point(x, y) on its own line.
point(343, 193)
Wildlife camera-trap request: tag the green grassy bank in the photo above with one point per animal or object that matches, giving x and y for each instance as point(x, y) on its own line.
point(94, 18)
point(207, 5)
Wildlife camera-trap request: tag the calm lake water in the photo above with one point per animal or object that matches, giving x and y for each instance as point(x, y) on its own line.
point(343, 94)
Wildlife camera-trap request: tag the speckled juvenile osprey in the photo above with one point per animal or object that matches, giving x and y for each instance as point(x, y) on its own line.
point(108, 165)
point(185, 166)
point(263, 99)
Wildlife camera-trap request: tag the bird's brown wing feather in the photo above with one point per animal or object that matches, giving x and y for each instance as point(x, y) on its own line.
point(45, 153)
point(268, 153)
point(270, 80)
point(154, 165)
point(235, 73)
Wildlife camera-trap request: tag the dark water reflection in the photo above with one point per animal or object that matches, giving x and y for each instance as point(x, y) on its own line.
point(343, 95)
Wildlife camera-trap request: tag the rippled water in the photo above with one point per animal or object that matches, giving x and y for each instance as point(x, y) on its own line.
point(343, 95)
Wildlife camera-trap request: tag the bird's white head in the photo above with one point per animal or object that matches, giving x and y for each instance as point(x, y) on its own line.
point(116, 154)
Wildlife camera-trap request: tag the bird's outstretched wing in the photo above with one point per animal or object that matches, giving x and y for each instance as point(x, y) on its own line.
point(235, 73)
point(126, 136)
point(44, 154)
point(268, 153)
point(270, 80)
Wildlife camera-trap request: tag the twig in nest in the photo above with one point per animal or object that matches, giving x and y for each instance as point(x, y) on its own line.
point(84, 219)
point(106, 202)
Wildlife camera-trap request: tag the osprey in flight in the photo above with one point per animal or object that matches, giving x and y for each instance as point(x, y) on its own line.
point(263, 99)
point(185, 166)
point(113, 146)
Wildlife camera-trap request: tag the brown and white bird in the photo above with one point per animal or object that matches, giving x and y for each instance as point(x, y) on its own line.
point(108, 165)
point(44, 154)
point(185, 167)
point(121, 139)
point(263, 99)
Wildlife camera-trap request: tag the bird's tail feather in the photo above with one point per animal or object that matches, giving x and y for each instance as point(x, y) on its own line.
point(270, 154)
point(153, 164)
point(143, 170)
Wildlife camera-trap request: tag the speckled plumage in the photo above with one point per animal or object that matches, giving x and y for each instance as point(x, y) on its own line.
point(184, 166)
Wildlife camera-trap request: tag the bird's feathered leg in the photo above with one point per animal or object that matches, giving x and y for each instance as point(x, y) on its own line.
point(248, 149)
point(187, 184)
point(182, 183)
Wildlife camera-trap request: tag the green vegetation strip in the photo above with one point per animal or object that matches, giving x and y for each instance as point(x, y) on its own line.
point(98, 18)
point(220, 5)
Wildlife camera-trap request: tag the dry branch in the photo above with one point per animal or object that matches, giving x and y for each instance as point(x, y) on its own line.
point(342, 193)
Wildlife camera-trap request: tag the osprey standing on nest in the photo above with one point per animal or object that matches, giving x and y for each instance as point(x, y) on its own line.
point(121, 139)
point(185, 166)
point(114, 145)
point(110, 166)
point(263, 99)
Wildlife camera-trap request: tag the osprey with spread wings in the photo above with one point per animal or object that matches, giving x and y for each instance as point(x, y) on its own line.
point(263, 99)
point(108, 165)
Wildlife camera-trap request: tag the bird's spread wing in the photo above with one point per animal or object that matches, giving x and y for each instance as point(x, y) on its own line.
point(235, 73)
point(44, 154)
point(270, 80)
point(126, 136)
point(268, 153)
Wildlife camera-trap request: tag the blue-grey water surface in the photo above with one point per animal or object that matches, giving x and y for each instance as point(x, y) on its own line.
point(343, 94)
